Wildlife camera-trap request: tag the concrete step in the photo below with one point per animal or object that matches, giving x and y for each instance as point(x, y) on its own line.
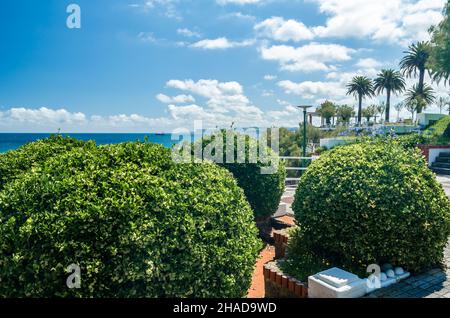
point(443, 159)
point(441, 165)
point(444, 171)
point(444, 154)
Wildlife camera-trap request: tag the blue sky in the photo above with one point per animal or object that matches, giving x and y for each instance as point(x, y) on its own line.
point(157, 65)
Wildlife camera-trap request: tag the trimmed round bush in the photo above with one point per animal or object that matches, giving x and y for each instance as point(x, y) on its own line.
point(16, 162)
point(263, 190)
point(372, 203)
point(137, 224)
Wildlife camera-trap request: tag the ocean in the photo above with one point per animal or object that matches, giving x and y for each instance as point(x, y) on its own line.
point(12, 141)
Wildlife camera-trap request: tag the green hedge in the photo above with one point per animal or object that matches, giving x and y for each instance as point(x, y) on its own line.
point(137, 224)
point(439, 132)
point(373, 203)
point(263, 191)
point(16, 162)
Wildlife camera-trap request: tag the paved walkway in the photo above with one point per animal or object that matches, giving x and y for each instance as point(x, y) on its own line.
point(432, 284)
point(445, 181)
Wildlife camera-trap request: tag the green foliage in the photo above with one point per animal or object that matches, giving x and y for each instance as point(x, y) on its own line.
point(369, 112)
point(372, 203)
point(439, 62)
point(263, 191)
point(136, 223)
point(327, 110)
point(437, 133)
point(422, 97)
point(415, 60)
point(410, 141)
point(393, 82)
point(14, 163)
point(301, 261)
point(345, 113)
point(360, 87)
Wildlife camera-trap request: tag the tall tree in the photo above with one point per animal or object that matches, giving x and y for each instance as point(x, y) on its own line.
point(360, 87)
point(369, 112)
point(425, 97)
point(345, 113)
point(398, 107)
point(441, 103)
point(381, 108)
point(415, 63)
point(327, 110)
point(411, 106)
point(391, 81)
point(439, 61)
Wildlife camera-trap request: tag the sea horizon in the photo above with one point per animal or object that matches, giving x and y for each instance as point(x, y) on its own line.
point(12, 141)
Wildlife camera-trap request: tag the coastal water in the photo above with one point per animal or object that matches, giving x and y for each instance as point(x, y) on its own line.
point(11, 141)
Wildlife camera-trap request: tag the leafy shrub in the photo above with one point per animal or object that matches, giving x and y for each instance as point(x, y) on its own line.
point(263, 191)
point(411, 140)
point(437, 132)
point(14, 163)
point(372, 203)
point(136, 223)
point(446, 133)
point(301, 261)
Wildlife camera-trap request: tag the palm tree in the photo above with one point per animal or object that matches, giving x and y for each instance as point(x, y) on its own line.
point(426, 96)
point(448, 103)
point(381, 108)
point(360, 87)
point(411, 106)
point(415, 62)
point(398, 107)
point(441, 103)
point(391, 81)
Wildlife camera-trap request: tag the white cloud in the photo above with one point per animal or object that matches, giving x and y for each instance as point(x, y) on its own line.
point(403, 21)
point(188, 33)
point(180, 99)
point(279, 29)
point(239, 2)
point(239, 15)
point(225, 98)
point(307, 58)
point(147, 37)
point(166, 7)
point(270, 77)
point(313, 90)
point(368, 63)
point(44, 114)
point(220, 44)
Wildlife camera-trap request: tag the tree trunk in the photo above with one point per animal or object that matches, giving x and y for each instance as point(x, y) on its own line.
point(359, 109)
point(421, 85)
point(388, 105)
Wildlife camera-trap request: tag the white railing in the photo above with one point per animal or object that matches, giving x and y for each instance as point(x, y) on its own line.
point(296, 168)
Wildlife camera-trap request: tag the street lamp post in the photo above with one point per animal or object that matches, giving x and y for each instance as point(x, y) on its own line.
point(305, 112)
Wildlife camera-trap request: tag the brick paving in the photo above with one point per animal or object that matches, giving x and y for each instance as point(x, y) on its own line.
point(432, 284)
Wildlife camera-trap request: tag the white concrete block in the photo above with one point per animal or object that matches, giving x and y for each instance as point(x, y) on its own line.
point(336, 283)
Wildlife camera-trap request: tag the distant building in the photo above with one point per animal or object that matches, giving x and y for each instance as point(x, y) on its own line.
point(426, 119)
